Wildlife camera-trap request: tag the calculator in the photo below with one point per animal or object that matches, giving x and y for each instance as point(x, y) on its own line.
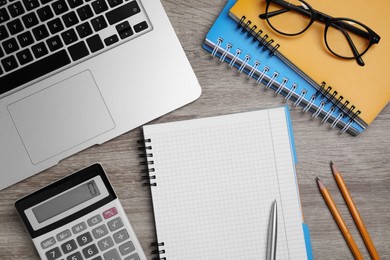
point(79, 217)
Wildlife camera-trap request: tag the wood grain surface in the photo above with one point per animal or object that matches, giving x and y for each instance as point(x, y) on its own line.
point(364, 160)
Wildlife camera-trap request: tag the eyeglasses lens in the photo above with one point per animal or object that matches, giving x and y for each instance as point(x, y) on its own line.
point(343, 36)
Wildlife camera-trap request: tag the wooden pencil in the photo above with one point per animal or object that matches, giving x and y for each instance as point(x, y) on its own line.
point(354, 212)
point(339, 220)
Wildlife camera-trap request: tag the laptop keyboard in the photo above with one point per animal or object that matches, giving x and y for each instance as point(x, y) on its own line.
point(40, 37)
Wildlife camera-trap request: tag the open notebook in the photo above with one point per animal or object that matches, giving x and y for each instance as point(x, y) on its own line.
point(213, 181)
point(366, 88)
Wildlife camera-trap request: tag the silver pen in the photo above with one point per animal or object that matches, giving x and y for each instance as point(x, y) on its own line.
point(272, 232)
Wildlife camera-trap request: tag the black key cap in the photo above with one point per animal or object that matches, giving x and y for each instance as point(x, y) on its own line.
point(99, 6)
point(69, 36)
point(3, 2)
point(30, 20)
point(98, 23)
point(85, 12)
point(9, 63)
point(75, 3)
point(95, 43)
point(10, 46)
point(123, 12)
point(45, 13)
point(75, 256)
point(54, 43)
point(124, 30)
point(114, 3)
point(1, 71)
point(4, 16)
point(90, 251)
point(69, 246)
point(70, 19)
point(15, 26)
point(78, 51)
point(40, 32)
point(1, 53)
point(24, 56)
point(55, 26)
point(16, 9)
point(34, 71)
point(59, 7)
point(39, 50)
point(140, 27)
point(84, 30)
point(3, 32)
point(25, 39)
point(30, 4)
point(45, 1)
point(111, 40)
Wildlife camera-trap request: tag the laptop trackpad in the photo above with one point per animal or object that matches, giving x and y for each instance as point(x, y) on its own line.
point(61, 117)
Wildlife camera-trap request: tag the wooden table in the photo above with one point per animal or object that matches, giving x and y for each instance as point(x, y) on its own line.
point(363, 160)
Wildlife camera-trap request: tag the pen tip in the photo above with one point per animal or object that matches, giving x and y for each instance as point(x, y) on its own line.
point(317, 179)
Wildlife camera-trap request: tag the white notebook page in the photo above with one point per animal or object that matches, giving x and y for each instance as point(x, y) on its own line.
point(216, 181)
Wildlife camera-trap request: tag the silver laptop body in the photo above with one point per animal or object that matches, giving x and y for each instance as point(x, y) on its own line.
point(119, 67)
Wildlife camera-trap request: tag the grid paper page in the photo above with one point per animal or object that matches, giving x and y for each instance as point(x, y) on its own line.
point(216, 181)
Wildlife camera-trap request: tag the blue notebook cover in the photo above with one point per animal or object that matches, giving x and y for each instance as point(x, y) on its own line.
point(231, 43)
point(305, 227)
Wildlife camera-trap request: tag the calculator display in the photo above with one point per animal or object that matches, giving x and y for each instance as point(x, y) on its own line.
point(66, 201)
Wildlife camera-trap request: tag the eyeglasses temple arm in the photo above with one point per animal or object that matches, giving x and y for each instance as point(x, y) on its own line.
point(358, 58)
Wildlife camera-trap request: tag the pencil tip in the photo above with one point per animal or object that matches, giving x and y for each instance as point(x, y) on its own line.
point(318, 179)
point(334, 169)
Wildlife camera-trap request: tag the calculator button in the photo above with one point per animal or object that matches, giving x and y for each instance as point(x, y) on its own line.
point(121, 236)
point(99, 232)
point(115, 224)
point(110, 212)
point(79, 227)
point(75, 256)
point(97, 258)
point(126, 248)
point(134, 256)
point(63, 235)
point(53, 254)
point(48, 242)
point(112, 255)
point(69, 246)
point(94, 220)
point(105, 243)
point(90, 251)
point(84, 239)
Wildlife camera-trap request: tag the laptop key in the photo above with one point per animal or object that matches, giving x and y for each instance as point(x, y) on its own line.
point(3, 33)
point(9, 63)
point(123, 12)
point(78, 51)
point(34, 71)
point(111, 40)
point(95, 43)
point(140, 27)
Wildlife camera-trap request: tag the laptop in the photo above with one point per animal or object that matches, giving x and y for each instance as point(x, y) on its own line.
point(75, 73)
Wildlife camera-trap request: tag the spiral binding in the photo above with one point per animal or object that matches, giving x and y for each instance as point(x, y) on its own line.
point(263, 40)
point(159, 250)
point(253, 71)
point(145, 147)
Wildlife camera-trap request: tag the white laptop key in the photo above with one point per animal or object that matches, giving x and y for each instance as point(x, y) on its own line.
point(126, 68)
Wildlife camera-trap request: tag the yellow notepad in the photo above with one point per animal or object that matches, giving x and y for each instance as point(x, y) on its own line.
point(367, 88)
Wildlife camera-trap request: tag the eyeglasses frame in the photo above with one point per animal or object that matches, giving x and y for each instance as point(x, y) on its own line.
point(328, 20)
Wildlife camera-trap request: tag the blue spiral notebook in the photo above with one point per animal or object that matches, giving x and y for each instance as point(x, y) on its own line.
point(231, 43)
point(213, 181)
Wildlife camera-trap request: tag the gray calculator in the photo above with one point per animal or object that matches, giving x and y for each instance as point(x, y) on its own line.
point(79, 217)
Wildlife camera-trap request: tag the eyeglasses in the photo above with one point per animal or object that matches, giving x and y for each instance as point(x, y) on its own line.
point(345, 38)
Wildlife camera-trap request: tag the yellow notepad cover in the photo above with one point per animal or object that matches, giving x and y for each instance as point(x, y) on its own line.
point(366, 87)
